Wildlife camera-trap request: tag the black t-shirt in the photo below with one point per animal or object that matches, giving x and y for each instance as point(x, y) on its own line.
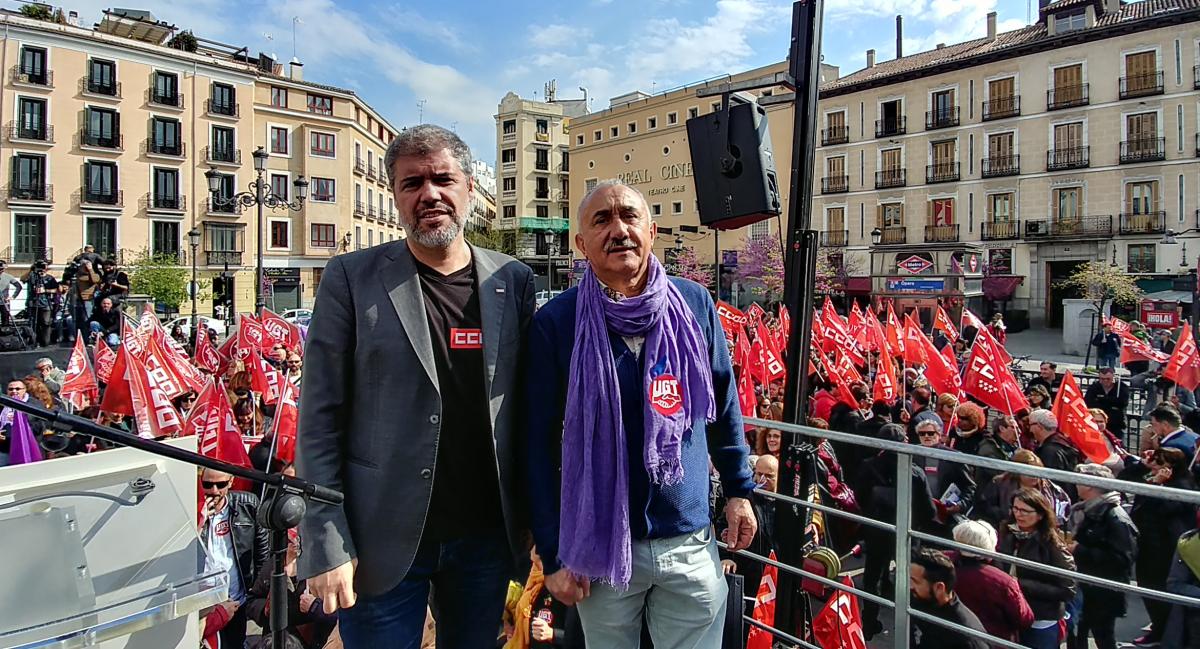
point(466, 481)
point(107, 288)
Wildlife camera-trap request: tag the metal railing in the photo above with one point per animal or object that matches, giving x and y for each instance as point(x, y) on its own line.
point(799, 438)
point(1067, 97)
point(220, 108)
point(225, 208)
point(25, 76)
point(43, 193)
point(941, 118)
point(1000, 230)
point(360, 208)
point(1068, 158)
point(112, 141)
point(835, 238)
point(220, 257)
point(1002, 107)
point(1143, 223)
point(941, 233)
point(43, 133)
point(1000, 165)
point(942, 172)
point(110, 198)
point(891, 178)
point(26, 255)
point(169, 202)
point(360, 167)
point(88, 85)
point(163, 99)
point(893, 234)
point(835, 135)
point(170, 149)
point(835, 184)
point(895, 126)
point(227, 155)
point(1142, 85)
point(1084, 227)
point(1147, 149)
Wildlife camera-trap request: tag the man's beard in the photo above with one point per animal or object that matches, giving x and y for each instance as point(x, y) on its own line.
point(441, 237)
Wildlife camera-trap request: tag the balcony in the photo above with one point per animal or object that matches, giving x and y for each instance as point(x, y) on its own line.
point(165, 149)
point(1000, 230)
point(997, 166)
point(542, 166)
point(888, 127)
point(1142, 85)
point(835, 184)
point(97, 88)
point(360, 167)
point(562, 195)
point(111, 142)
point(541, 138)
point(835, 135)
point(943, 172)
point(941, 233)
point(1079, 227)
point(1150, 149)
point(1196, 77)
point(26, 255)
point(371, 212)
point(360, 209)
point(508, 137)
point(541, 194)
point(102, 198)
point(1067, 97)
point(1144, 223)
point(223, 155)
point(43, 134)
point(1070, 158)
point(232, 208)
point(164, 202)
point(370, 172)
point(223, 257)
point(941, 118)
point(1001, 107)
point(539, 224)
point(835, 238)
point(893, 234)
point(29, 193)
point(222, 109)
point(163, 99)
point(564, 168)
point(30, 78)
point(890, 178)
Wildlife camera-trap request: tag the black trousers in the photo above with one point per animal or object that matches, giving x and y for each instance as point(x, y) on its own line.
point(1103, 629)
point(42, 320)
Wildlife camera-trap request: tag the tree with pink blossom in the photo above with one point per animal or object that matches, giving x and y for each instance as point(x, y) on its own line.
point(689, 266)
point(760, 266)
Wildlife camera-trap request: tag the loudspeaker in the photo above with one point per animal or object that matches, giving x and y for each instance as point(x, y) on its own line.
point(733, 167)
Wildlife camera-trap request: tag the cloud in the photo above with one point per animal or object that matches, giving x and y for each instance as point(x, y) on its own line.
point(720, 43)
point(548, 37)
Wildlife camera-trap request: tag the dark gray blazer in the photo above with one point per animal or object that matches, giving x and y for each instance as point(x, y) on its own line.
point(370, 412)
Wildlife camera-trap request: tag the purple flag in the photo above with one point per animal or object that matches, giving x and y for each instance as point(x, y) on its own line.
point(23, 446)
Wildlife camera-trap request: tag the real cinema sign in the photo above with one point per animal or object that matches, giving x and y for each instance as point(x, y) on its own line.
point(666, 172)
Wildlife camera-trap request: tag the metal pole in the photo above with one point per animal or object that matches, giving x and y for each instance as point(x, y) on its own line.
point(717, 263)
point(195, 292)
point(549, 276)
point(900, 632)
point(259, 299)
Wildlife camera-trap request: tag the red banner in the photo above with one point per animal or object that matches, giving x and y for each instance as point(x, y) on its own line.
point(989, 380)
point(79, 387)
point(914, 342)
point(150, 385)
point(732, 320)
point(117, 395)
point(207, 357)
point(280, 330)
point(1076, 422)
point(287, 415)
point(1184, 365)
point(885, 381)
point(942, 323)
point(105, 359)
point(221, 438)
point(764, 607)
point(839, 624)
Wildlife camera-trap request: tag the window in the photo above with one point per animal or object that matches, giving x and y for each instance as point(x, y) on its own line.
point(891, 118)
point(542, 189)
point(279, 140)
point(651, 123)
point(597, 136)
point(221, 237)
point(358, 237)
point(1000, 261)
point(566, 162)
point(279, 185)
point(542, 160)
point(100, 183)
point(677, 207)
point(370, 237)
point(223, 100)
point(509, 184)
point(28, 177)
point(320, 104)
point(614, 131)
point(579, 140)
point(322, 235)
point(510, 211)
point(693, 112)
point(317, 275)
point(631, 127)
point(31, 115)
point(941, 212)
point(1068, 203)
point(760, 230)
point(168, 136)
point(1141, 257)
point(543, 127)
point(510, 126)
point(1141, 197)
point(1068, 87)
point(29, 237)
point(102, 77)
point(281, 234)
point(222, 148)
point(508, 156)
point(166, 89)
point(322, 190)
point(891, 215)
point(1000, 207)
point(542, 211)
point(656, 210)
point(166, 189)
point(103, 128)
point(164, 238)
point(33, 68)
point(1069, 21)
point(102, 233)
point(321, 144)
point(716, 106)
point(225, 191)
point(279, 97)
point(672, 119)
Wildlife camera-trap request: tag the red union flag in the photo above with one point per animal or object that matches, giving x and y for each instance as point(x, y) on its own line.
point(1076, 422)
point(221, 438)
point(914, 347)
point(732, 320)
point(1118, 325)
point(755, 313)
point(207, 357)
point(942, 323)
point(837, 334)
point(769, 356)
point(885, 381)
point(1136, 349)
point(841, 385)
point(132, 339)
point(989, 380)
point(1184, 366)
point(741, 357)
point(969, 319)
point(197, 417)
point(280, 330)
point(117, 395)
point(251, 337)
point(105, 359)
point(79, 387)
point(895, 339)
point(846, 368)
point(764, 607)
point(286, 417)
point(839, 624)
point(264, 378)
point(149, 384)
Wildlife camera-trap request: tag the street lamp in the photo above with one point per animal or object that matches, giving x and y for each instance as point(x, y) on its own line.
point(194, 240)
point(551, 250)
point(260, 195)
point(876, 236)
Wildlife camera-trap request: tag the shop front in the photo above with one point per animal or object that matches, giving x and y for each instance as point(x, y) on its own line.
point(919, 280)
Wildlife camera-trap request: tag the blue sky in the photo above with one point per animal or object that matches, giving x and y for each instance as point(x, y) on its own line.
point(460, 58)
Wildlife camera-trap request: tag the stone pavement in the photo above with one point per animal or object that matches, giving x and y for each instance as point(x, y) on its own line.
point(1046, 344)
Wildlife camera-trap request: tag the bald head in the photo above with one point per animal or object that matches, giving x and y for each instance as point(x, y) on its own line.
point(766, 472)
point(616, 235)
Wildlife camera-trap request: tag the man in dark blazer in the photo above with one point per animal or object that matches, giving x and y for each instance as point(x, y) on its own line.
point(410, 366)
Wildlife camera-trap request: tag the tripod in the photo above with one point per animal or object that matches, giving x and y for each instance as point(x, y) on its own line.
point(281, 509)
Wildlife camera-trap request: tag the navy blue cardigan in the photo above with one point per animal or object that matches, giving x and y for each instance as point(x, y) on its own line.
point(655, 511)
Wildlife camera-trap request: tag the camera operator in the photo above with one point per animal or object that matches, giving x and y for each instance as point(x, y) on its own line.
point(115, 283)
point(83, 278)
point(89, 255)
point(7, 281)
point(42, 289)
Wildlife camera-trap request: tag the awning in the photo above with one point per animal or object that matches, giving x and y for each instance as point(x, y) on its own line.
point(858, 284)
point(1001, 287)
point(1169, 296)
point(1155, 285)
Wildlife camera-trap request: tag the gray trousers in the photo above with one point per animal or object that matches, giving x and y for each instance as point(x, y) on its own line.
point(677, 587)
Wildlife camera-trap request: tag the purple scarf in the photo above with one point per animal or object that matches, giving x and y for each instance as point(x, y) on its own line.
point(594, 538)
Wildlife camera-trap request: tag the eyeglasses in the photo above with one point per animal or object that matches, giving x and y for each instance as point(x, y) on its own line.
point(220, 484)
point(16, 389)
point(1023, 510)
point(927, 433)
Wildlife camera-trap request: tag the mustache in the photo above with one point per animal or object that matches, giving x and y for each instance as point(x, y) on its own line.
point(435, 206)
point(624, 242)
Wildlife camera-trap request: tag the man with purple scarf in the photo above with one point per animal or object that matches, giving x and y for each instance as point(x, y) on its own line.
point(628, 392)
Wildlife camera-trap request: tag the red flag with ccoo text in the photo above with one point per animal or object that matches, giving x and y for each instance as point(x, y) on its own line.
point(1184, 366)
point(839, 624)
point(286, 417)
point(1076, 422)
point(943, 323)
point(764, 608)
point(79, 387)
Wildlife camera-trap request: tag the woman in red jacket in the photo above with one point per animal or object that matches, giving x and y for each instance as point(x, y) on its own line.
point(992, 594)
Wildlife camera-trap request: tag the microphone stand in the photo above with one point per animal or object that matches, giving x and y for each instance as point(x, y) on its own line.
point(283, 505)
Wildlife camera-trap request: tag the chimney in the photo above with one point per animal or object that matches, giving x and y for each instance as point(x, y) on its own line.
point(73, 18)
point(940, 46)
point(991, 26)
point(296, 70)
point(870, 58)
point(899, 37)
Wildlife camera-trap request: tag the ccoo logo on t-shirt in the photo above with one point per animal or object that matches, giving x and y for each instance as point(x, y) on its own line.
point(466, 338)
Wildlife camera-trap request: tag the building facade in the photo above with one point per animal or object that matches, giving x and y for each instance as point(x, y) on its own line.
point(533, 171)
point(111, 133)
